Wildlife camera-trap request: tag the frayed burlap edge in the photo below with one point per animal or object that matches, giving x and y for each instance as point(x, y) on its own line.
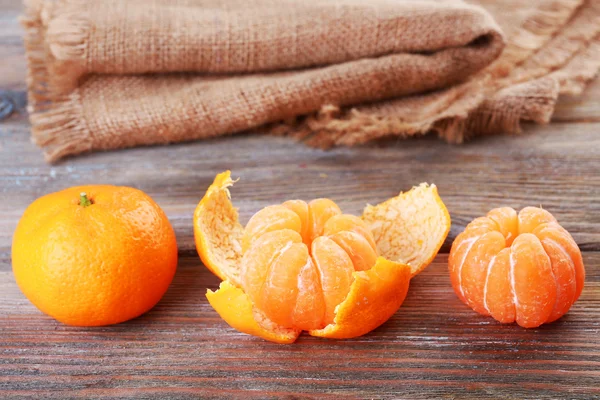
point(57, 122)
point(332, 126)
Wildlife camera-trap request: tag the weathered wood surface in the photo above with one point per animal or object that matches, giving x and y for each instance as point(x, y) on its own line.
point(555, 166)
point(434, 347)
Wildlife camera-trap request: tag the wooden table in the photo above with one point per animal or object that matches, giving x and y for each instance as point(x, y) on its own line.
point(433, 347)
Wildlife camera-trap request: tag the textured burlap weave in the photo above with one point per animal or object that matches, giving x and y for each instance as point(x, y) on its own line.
point(107, 74)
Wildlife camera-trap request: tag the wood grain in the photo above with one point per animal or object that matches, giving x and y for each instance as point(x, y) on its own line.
point(434, 347)
point(12, 61)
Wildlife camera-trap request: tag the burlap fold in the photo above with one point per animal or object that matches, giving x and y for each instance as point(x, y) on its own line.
point(106, 74)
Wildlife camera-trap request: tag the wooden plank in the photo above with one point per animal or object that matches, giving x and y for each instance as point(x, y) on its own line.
point(10, 5)
point(12, 59)
point(555, 166)
point(433, 347)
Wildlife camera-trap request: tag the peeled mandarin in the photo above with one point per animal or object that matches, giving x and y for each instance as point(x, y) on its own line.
point(296, 274)
point(522, 268)
point(306, 266)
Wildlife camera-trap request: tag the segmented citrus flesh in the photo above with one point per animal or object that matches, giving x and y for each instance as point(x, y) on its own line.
point(522, 268)
point(298, 261)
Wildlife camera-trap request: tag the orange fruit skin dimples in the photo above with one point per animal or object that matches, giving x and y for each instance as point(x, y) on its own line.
point(301, 266)
point(94, 255)
point(522, 268)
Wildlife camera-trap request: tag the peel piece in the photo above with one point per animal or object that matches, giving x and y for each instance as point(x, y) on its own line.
point(235, 307)
point(374, 296)
point(411, 227)
point(217, 230)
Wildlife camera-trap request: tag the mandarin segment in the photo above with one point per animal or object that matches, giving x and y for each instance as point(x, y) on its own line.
point(257, 261)
point(359, 249)
point(464, 243)
point(475, 267)
point(532, 217)
point(531, 272)
point(564, 272)
point(556, 233)
point(456, 259)
point(481, 225)
point(301, 209)
point(498, 292)
point(272, 218)
point(309, 310)
point(280, 290)
point(508, 222)
point(532, 279)
point(349, 223)
point(335, 271)
point(319, 212)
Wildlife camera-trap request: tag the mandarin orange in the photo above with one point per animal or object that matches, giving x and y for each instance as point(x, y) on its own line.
point(307, 266)
point(94, 255)
point(521, 267)
point(298, 281)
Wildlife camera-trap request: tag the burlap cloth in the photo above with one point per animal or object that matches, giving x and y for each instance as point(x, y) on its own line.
point(107, 74)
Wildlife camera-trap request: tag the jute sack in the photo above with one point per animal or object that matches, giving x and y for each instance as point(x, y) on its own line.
point(107, 74)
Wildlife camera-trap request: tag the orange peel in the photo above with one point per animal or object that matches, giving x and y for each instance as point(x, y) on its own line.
point(411, 227)
point(374, 294)
point(217, 230)
point(234, 306)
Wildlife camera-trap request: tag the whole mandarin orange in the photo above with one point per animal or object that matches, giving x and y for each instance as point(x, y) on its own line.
point(94, 255)
point(517, 267)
